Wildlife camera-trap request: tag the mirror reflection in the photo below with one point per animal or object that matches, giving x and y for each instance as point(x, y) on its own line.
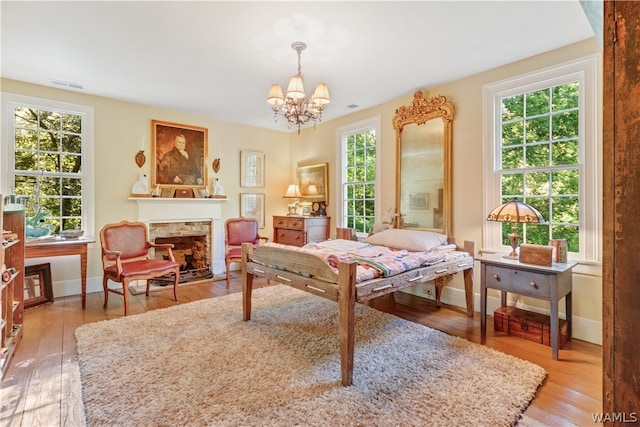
point(423, 187)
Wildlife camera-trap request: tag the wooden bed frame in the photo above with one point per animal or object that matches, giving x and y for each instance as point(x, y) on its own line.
point(342, 287)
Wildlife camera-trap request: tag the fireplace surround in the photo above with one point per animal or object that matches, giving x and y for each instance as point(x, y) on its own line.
point(186, 218)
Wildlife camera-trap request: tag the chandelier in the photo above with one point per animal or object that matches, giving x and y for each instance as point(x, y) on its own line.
point(296, 108)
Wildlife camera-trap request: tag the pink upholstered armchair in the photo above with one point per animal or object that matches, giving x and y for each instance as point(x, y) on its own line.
point(239, 231)
point(125, 257)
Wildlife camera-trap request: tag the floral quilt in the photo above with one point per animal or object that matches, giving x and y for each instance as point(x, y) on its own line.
point(374, 261)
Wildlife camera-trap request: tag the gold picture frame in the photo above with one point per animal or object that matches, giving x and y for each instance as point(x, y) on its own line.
point(313, 181)
point(170, 167)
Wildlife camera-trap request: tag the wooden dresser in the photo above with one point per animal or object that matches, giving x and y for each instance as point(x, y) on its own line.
point(300, 230)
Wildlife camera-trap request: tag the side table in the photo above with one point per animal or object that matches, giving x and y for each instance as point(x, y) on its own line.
point(537, 281)
point(55, 246)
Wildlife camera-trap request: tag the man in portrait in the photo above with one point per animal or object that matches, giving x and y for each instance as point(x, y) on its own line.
point(179, 167)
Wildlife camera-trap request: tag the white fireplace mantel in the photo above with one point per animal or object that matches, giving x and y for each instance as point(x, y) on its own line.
point(158, 209)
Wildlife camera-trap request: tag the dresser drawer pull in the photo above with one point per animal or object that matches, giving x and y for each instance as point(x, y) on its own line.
point(442, 271)
point(496, 277)
point(381, 288)
point(284, 278)
point(533, 284)
point(416, 278)
point(463, 265)
point(316, 289)
point(258, 271)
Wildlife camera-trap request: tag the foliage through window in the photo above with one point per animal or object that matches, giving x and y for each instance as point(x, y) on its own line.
point(540, 161)
point(48, 161)
point(359, 179)
point(543, 146)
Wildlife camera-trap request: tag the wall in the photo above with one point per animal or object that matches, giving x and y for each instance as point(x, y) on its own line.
point(320, 145)
point(119, 130)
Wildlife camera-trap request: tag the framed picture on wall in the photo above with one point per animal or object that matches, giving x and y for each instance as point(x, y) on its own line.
point(178, 155)
point(252, 206)
point(251, 169)
point(313, 181)
point(419, 201)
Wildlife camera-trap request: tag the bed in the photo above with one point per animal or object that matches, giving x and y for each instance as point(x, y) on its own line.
point(347, 278)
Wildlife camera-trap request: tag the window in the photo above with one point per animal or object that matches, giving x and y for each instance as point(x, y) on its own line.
point(50, 160)
point(543, 145)
point(359, 165)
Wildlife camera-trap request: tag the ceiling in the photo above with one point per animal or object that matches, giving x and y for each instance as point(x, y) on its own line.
point(218, 59)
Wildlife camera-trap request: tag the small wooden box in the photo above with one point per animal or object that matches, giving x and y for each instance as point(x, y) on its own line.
point(536, 254)
point(531, 326)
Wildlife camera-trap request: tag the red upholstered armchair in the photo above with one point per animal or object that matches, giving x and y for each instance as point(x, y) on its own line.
point(125, 257)
point(239, 231)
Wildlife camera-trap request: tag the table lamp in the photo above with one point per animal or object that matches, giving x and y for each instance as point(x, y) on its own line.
point(293, 192)
point(515, 212)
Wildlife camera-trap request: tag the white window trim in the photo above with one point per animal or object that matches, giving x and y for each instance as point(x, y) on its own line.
point(9, 102)
point(342, 133)
point(586, 71)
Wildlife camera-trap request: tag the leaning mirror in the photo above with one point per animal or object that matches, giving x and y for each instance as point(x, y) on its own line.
point(423, 163)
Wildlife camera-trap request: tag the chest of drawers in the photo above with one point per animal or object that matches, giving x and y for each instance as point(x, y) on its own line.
point(300, 230)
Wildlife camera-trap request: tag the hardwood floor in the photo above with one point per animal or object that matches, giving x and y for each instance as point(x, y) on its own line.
point(34, 388)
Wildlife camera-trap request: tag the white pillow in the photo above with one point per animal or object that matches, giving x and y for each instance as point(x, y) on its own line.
point(411, 240)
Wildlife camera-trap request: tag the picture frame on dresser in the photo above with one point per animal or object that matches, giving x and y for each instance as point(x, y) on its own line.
point(252, 169)
point(38, 288)
point(313, 181)
point(252, 206)
point(178, 155)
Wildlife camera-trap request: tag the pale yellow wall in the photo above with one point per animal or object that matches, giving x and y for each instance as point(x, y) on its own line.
point(119, 130)
point(319, 145)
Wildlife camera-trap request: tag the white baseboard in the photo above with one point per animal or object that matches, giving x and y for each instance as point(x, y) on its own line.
point(583, 329)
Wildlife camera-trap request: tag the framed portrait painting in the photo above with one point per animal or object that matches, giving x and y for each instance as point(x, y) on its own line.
point(313, 181)
point(252, 206)
point(178, 155)
point(251, 169)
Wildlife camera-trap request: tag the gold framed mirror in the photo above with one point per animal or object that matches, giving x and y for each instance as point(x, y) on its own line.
point(423, 163)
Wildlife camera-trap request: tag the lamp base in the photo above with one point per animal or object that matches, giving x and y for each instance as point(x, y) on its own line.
point(512, 255)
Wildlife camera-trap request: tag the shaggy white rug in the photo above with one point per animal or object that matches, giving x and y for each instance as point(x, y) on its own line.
point(200, 364)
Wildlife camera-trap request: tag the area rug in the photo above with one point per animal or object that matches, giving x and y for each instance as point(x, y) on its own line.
point(200, 364)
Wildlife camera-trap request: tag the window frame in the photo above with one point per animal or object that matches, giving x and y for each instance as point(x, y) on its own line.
point(10, 101)
point(585, 71)
point(342, 132)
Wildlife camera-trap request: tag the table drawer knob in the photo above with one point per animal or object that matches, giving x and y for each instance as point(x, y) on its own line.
point(496, 277)
point(533, 284)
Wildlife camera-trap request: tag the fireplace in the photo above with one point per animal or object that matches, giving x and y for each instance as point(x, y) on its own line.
point(188, 224)
point(191, 246)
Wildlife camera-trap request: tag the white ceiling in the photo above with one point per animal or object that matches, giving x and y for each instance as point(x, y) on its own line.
point(218, 59)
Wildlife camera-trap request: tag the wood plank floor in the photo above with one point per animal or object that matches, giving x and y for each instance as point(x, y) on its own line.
point(34, 388)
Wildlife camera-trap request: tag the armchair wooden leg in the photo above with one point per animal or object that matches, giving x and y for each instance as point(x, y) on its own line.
point(176, 279)
point(106, 291)
point(228, 265)
point(125, 295)
point(148, 286)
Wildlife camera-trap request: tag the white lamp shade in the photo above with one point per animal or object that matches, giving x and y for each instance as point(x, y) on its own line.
point(275, 95)
point(312, 190)
point(292, 191)
point(321, 94)
point(295, 89)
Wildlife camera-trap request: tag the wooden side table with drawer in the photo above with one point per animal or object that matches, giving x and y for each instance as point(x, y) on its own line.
point(537, 281)
point(300, 230)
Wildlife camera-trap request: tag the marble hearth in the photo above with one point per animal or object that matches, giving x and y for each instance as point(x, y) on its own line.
point(152, 211)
